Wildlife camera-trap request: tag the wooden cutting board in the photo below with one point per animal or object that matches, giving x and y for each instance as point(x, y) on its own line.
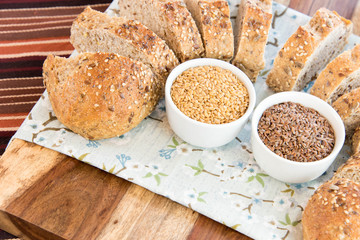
point(47, 195)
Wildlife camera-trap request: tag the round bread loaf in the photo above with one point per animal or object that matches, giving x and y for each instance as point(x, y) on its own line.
point(100, 95)
point(350, 169)
point(333, 212)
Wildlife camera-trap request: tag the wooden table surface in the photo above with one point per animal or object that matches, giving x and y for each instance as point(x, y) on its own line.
point(104, 206)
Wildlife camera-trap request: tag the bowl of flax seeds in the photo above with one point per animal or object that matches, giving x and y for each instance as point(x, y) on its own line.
point(296, 136)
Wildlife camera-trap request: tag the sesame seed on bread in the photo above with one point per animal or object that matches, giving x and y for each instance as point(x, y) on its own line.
point(333, 212)
point(93, 31)
point(212, 18)
point(309, 50)
point(171, 21)
point(251, 33)
point(100, 95)
point(340, 76)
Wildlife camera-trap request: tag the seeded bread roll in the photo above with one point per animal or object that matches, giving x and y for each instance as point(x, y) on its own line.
point(212, 18)
point(100, 95)
point(309, 50)
point(93, 31)
point(251, 33)
point(356, 141)
point(332, 213)
point(348, 107)
point(340, 76)
point(350, 169)
point(170, 20)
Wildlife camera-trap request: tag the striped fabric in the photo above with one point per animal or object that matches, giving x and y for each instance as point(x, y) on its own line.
point(29, 31)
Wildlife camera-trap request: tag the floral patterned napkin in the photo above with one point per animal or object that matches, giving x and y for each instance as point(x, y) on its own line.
point(222, 183)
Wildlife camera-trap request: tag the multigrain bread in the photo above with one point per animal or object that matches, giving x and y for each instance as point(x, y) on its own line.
point(350, 169)
point(100, 95)
point(332, 213)
point(212, 18)
point(308, 51)
point(348, 107)
point(251, 33)
point(93, 31)
point(340, 76)
point(355, 141)
point(170, 20)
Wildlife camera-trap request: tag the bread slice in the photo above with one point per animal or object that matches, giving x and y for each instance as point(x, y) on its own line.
point(355, 141)
point(170, 20)
point(100, 95)
point(251, 33)
point(348, 107)
point(340, 76)
point(350, 170)
point(212, 18)
point(93, 31)
point(332, 213)
point(309, 50)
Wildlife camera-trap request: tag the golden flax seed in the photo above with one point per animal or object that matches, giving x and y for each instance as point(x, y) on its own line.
point(210, 94)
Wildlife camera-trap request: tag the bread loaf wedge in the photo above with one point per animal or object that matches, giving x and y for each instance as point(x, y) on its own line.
point(348, 107)
point(308, 51)
point(350, 169)
point(170, 20)
point(355, 141)
point(93, 31)
point(100, 95)
point(340, 76)
point(333, 212)
point(251, 33)
point(212, 18)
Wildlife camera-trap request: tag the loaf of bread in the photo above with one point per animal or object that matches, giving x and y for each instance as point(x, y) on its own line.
point(100, 95)
point(350, 169)
point(308, 51)
point(93, 31)
point(251, 33)
point(355, 141)
point(348, 107)
point(340, 76)
point(170, 20)
point(332, 213)
point(212, 18)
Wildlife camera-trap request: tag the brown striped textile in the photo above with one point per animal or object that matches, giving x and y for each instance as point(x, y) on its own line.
point(29, 31)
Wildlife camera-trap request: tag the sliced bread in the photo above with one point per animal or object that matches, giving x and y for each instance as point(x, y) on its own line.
point(93, 31)
point(350, 169)
point(251, 33)
point(348, 107)
point(340, 76)
point(100, 95)
point(309, 50)
point(212, 18)
point(170, 20)
point(355, 141)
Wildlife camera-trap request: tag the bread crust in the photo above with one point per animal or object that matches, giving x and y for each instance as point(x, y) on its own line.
point(350, 169)
point(252, 36)
point(332, 213)
point(212, 18)
point(100, 95)
point(145, 45)
point(293, 56)
point(171, 21)
point(333, 76)
point(356, 141)
point(348, 107)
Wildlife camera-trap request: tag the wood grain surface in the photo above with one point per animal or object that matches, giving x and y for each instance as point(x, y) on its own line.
point(47, 195)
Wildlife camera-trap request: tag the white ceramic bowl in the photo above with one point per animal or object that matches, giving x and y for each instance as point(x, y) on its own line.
point(287, 170)
point(203, 134)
